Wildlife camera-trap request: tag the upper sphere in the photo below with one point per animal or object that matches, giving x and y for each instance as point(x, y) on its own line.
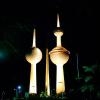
point(34, 56)
point(58, 32)
point(59, 55)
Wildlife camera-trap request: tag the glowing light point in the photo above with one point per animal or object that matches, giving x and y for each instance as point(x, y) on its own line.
point(34, 57)
point(19, 87)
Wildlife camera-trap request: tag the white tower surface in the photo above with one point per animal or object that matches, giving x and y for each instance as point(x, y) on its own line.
point(59, 56)
point(33, 58)
point(47, 84)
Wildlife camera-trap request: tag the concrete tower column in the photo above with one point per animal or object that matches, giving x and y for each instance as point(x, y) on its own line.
point(47, 84)
point(33, 82)
point(60, 84)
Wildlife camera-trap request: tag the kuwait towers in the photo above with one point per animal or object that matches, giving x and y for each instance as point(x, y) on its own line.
point(33, 58)
point(59, 56)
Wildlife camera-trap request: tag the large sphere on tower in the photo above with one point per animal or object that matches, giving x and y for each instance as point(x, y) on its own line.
point(59, 55)
point(34, 55)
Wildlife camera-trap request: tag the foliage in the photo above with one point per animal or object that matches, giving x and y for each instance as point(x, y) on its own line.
point(90, 80)
point(87, 87)
point(43, 94)
point(89, 68)
point(61, 96)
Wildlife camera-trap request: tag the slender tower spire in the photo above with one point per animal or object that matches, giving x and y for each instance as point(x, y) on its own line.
point(58, 33)
point(77, 65)
point(47, 84)
point(58, 21)
point(34, 38)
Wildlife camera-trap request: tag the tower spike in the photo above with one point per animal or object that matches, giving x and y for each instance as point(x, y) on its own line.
point(58, 21)
point(34, 38)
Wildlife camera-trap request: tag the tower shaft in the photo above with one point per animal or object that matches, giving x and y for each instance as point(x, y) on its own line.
point(33, 81)
point(58, 40)
point(60, 84)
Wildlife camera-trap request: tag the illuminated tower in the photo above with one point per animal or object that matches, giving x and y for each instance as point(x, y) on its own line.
point(59, 56)
point(47, 85)
point(33, 58)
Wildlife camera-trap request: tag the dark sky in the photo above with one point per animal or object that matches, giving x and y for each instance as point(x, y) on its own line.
point(78, 21)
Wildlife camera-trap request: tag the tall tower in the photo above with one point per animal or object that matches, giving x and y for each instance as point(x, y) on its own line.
point(59, 56)
point(33, 57)
point(47, 84)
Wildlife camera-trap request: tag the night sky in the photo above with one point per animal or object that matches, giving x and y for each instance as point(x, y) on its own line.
point(78, 22)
